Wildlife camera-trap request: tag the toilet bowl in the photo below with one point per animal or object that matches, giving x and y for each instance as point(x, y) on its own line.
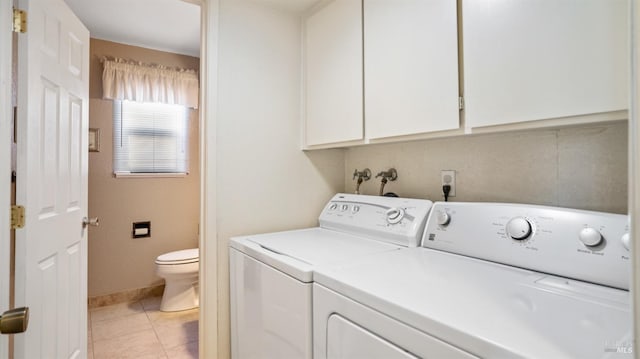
point(180, 272)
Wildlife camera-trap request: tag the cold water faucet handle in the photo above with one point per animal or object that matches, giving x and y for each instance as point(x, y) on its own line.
point(390, 175)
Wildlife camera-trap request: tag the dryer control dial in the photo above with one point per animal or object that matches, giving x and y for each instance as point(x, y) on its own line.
point(395, 215)
point(626, 241)
point(519, 228)
point(443, 218)
point(590, 237)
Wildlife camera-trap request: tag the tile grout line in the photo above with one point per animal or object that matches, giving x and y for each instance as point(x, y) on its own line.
point(149, 310)
point(90, 337)
point(155, 332)
point(110, 309)
point(119, 336)
point(153, 327)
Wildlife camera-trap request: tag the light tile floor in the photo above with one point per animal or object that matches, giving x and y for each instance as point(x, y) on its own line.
point(141, 330)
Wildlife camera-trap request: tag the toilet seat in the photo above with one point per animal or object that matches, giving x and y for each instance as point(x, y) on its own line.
point(184, 256)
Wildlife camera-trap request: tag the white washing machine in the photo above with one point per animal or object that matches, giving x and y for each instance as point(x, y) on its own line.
point(489, 281)
point(272, 274)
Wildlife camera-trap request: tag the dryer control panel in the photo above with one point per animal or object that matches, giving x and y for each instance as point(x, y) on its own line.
point(388, 219)
point(584, 245)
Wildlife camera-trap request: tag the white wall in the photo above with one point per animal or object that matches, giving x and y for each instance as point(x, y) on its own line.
point(264, 182)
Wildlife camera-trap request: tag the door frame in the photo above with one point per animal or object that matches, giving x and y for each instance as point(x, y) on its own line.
point(208, 242)
point(634, 169)
point(6, 117)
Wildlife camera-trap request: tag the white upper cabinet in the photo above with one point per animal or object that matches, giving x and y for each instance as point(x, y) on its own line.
point(531, 60)
point(388, 70)
point(333, 73)
point(410, 67)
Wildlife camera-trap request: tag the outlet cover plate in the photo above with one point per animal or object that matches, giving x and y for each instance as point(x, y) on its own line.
point(449, 177)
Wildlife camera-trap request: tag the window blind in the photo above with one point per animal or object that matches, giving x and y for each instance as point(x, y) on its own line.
point(150, 138)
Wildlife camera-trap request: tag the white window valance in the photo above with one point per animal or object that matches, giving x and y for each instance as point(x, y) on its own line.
point(127, 80)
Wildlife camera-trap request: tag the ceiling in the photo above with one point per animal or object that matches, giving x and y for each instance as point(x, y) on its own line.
point(166, 25)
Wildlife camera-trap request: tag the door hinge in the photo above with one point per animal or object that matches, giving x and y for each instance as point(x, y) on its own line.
point(17, 217)
point(460, 103)
point(19, 20)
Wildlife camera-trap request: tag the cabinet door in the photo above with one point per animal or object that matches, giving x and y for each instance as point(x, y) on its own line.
point(532, 59)
point(410, 67)
point(333, 73)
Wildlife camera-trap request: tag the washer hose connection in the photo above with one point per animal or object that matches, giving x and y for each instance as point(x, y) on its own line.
point(361, 176)
point(390, 175)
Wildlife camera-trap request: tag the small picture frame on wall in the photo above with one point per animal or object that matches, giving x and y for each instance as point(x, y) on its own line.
point(94, 140)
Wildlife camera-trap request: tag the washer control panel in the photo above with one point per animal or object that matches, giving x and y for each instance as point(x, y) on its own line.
point(584, 245)
point(389, 219)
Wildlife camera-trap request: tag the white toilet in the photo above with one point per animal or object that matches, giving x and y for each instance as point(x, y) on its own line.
point(180, 272)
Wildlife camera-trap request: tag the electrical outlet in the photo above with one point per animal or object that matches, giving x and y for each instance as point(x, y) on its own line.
point(449, 177)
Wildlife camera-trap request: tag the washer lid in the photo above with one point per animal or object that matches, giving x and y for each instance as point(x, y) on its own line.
point(297, 252)
point(179, 257)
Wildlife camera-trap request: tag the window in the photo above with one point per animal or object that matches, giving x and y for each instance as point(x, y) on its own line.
point(150, 138)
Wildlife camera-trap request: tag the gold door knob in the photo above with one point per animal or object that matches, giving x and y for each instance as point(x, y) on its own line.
point(90, 222)
point(14, 321)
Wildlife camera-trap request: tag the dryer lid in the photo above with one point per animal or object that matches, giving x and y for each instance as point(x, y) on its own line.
point(179, 257)
point(486, 308)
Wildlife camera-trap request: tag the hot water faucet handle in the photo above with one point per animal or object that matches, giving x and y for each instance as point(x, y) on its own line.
point(364, 174)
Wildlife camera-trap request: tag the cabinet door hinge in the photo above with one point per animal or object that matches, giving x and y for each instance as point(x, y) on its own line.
point(19, 20)
point(460, 103)
point(17, 217)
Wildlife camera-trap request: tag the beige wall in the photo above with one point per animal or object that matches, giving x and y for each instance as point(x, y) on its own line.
point(578, 167)
point(118, 262)
point(264, 181)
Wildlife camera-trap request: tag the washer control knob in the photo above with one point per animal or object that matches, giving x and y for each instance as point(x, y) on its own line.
point(519, 228)
point(626, 241)
point(443, 218)
point(395, 215)
point(355, 209)
point(333, 206)
point(344, 207)
point(590, 237)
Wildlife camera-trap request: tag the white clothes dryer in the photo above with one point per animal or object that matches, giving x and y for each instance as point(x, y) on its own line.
point(272, 274)
point(489, 281)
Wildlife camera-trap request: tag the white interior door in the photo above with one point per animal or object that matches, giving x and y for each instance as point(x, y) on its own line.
point(51, 250)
